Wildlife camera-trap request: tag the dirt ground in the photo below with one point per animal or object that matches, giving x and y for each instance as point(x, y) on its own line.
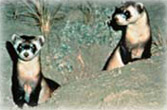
point(137, 86)
point(140, 85)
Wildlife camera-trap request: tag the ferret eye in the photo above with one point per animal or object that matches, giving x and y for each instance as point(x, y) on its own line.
point(127, 14)
point(19, 48)
point(34, 48)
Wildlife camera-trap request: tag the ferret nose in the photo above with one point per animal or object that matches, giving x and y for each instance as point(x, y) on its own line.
point(26, 54)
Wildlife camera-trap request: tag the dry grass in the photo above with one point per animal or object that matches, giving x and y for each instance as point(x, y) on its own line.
point(88, 12)
point(159, 42)
point(44, 16)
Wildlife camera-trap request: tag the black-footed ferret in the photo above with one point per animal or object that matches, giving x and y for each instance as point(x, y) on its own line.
point(28, 83)
point(133, 20)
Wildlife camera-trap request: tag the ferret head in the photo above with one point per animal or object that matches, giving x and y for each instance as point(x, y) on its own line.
point(128, 13)
point(27, 47)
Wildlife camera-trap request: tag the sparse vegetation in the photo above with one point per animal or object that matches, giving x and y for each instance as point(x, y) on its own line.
point(78, 48)
point(42, 15)
point(88, 12)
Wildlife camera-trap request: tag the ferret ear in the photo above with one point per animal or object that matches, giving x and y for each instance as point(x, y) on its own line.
point(15, 37)
point(116, 8)
point(140, 7)
point(41, 39)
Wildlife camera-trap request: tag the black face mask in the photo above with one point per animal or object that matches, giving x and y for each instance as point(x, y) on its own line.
point(126, 13)
point(27, 47)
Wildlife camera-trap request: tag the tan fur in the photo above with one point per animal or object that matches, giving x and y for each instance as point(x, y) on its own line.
point(137, 53)
point(45, 92)
point(27, 88)
point(116, 61)
point(137, 35)
point(29, 69)
point(28, 73)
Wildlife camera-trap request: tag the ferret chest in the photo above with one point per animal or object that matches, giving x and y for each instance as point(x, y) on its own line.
point(28, 70)
point(136, 37)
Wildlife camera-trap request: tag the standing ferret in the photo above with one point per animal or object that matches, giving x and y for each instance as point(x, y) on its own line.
point(133, 20)
point(28, 83)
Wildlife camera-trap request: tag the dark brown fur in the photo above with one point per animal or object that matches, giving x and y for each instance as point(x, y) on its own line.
point(130, 47)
